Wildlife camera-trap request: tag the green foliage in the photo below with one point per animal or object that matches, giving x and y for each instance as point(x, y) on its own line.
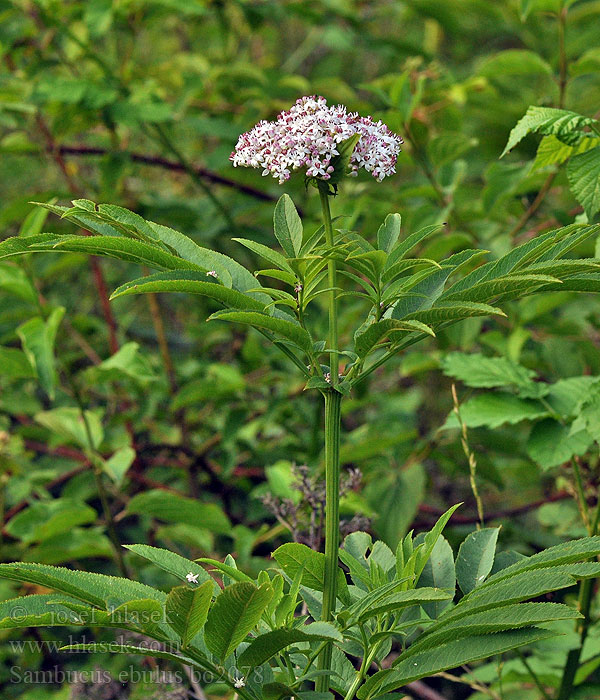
point(193, 424)
point(237, 610)
point(187, 610)
point(558, 433)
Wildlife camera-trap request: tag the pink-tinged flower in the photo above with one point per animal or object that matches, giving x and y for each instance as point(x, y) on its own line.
point(307, 136)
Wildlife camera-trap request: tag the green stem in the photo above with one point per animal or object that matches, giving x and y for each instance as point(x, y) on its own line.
point(331, 283)
point(533, 675)
point(333, 401)
point(582, 502)
point(586, 589)
point(368, 658)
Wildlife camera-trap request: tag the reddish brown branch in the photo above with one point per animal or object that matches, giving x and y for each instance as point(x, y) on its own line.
point(167, 164)
point(104, 297)
point(459, 519)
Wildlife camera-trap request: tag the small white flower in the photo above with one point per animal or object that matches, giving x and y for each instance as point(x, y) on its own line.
point(212, 273)
point(298, 288)
point(327, 377)
point(239, 683)
point(192, 578)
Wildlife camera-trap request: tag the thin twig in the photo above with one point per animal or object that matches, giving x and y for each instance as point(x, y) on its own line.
point(470, 455)
point(533, 207)
point(423, 691)
point(533, 675)
point(472, 684)
point(172, 165)
point(459, 519)
point(159, 329)
point(189, 672)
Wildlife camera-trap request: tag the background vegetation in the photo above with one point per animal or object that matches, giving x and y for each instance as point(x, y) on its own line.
point(139, 103)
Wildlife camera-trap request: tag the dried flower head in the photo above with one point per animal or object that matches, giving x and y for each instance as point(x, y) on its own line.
point(308, 136)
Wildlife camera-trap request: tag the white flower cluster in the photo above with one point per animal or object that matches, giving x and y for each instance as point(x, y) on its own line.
point(308, 135)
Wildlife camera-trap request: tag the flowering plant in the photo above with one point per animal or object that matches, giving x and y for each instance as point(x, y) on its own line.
point(312, 621)
point(312, 135)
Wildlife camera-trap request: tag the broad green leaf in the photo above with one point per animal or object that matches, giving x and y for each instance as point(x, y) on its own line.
point(288, 226)
point(265, 646)
point(551, 443)
point(397, 280)
point(551, 151)
point(389, 232)
point(565, 395)
point(431, 537)
point(38, 337)
point(514, 62)
point(388, 327)
point(33, 223)
point(278, 275)
point(227, 268)
point(404, 246)
point(588, 414)
point(120, 248)
point(39, 610)
point(287, 329)
point(45, 519)
point(397, 495)
point(501, 288)
point(444, 311)
point(520, 587)
point(10, 247)
point(479, 371)
point(449, 655)
point(127, 363)
point(583, 171)
point(547, 120)
point(172, 508)
point(438, 572)
point(69, 423)
point(73, 545)
point(476, 557)
point(14, 281)
point(293, 557)
point(516, 259)
point(118, 464)
point(146, 614)
point(231, 571)
point(565, 553)
point(96, 589)
point(267, 253)
point(423, 295)
point(187, 610)
point(401, 600)
point(235, 613)
point(373, 597)
point(508, 617)
point(189, 282)
point(15, 364)
point(495, 409)
point(170, 561)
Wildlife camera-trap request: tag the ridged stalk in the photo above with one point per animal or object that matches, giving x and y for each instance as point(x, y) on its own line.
point(333, 401)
